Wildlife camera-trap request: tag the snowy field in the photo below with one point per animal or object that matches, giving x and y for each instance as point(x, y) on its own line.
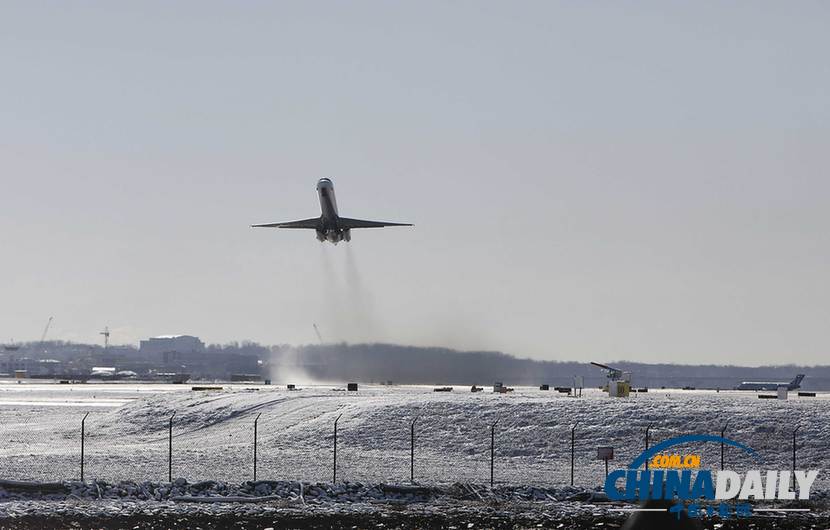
point(127, 432)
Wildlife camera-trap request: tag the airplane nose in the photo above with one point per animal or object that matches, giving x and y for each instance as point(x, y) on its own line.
point(324, 183)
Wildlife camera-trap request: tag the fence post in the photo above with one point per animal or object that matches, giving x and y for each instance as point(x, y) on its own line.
point(83, 433)
point(412, 450)
point(334, 471)
point(722, 445)
point(650, 425)
point(492, 449)
point(170, 449)
point(256, 420)
point(573, 429)
point(794, 446)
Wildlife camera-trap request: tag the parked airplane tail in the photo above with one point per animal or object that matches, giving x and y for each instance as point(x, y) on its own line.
point(796, 383)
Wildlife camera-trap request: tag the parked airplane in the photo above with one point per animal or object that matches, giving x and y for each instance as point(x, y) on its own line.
point(771, 385)
point(330, 226)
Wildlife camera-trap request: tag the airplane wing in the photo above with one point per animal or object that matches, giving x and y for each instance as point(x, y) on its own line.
point(312, 223)
point(347, 223)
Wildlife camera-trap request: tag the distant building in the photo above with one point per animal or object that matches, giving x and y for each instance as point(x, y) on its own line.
point(10, 365)
point(171, 344)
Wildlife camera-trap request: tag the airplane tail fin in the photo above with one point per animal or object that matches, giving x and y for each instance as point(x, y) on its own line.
point(796, 383)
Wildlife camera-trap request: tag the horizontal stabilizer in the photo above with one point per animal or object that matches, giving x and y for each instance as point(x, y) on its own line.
point(346, 223)
point(313, 224)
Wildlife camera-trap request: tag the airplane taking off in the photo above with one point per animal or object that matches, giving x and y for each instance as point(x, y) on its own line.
point(771, 385)
point(330, 226)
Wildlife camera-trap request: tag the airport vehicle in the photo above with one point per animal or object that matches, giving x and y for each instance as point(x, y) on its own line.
point(330, 226)
point(771, 385)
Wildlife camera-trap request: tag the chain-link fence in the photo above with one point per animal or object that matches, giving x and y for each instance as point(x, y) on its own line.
point(426, 446)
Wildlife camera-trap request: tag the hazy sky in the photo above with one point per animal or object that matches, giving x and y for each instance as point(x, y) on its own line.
point(643, 181)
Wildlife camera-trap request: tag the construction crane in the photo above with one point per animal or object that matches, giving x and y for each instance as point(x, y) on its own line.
point(106, 334)
point(45, 331)
point(317, 331)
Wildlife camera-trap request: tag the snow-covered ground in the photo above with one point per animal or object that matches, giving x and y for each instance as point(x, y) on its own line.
point(127, 432)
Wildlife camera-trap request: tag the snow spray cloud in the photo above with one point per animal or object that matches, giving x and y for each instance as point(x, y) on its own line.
point(671, 476)
point(349, 303)
point(364, 318)
point(350, 312)
point(288, 366)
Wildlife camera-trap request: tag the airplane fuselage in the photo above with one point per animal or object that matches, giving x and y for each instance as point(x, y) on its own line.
point(763, 385)
point(330, 229)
